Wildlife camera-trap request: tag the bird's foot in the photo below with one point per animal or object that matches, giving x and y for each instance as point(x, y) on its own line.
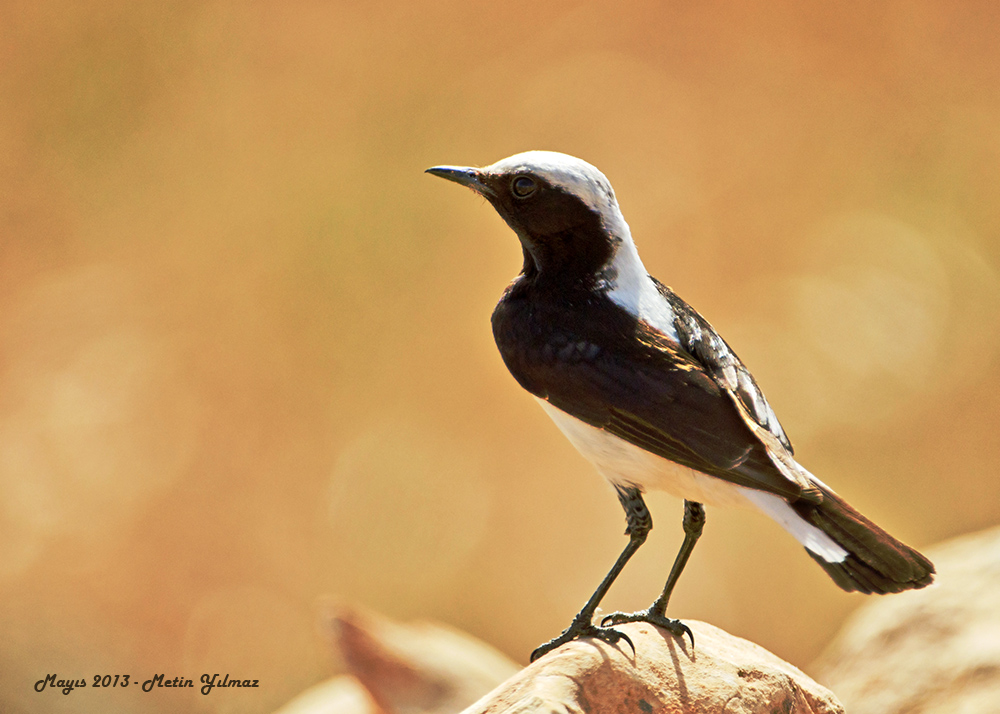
point(581, 628)
point(674, 627)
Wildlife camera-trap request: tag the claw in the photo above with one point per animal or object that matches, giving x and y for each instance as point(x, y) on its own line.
point(688, 631)
point(575, 631)
point(674, 627)
point(540, 651)
point(627, 639)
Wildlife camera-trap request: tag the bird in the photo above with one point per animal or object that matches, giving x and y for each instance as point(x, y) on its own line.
point(649, 392)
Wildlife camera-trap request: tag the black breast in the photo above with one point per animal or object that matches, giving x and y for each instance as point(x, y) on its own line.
point(537, 332)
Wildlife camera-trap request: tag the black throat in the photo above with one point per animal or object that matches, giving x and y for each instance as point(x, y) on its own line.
point(544, 319)
point(566, 244)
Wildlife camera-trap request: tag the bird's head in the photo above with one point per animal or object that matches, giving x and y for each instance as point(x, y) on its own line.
point(563, 210)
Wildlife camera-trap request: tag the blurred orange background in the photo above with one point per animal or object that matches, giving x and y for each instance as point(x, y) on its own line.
point(246, 365)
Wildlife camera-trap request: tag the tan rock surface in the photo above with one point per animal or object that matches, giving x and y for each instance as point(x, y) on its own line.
point(928, 651)
point(721, 674)
point(418, 667)
point(338, 695)
point(402, 668)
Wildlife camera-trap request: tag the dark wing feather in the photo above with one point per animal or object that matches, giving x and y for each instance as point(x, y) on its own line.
point(618, 374)
point(701, 340)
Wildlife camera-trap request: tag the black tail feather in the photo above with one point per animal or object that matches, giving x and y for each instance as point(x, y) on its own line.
point(876, 562)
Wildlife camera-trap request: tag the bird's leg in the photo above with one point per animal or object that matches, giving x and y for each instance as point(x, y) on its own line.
point(694, 522)
point(639, 524)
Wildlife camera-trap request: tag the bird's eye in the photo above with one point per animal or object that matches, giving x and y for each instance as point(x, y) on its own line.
point(523, 186)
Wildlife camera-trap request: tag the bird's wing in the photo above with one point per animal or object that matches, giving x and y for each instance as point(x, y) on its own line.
point(638, 384)
point(701, 341)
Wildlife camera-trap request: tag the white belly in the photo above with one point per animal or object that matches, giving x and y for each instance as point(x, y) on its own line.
point(623, 463)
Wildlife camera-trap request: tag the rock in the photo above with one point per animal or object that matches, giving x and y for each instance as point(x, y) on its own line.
point(338, 695)
point(931, 650)
point(721, 673)
point(416, 668)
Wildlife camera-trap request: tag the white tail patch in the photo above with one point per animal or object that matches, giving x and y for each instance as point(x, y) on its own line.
point(815, 540)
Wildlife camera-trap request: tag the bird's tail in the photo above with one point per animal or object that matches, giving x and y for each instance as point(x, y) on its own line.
point(875, 561)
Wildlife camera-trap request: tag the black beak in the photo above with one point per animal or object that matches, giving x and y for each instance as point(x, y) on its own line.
point(464, 175)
